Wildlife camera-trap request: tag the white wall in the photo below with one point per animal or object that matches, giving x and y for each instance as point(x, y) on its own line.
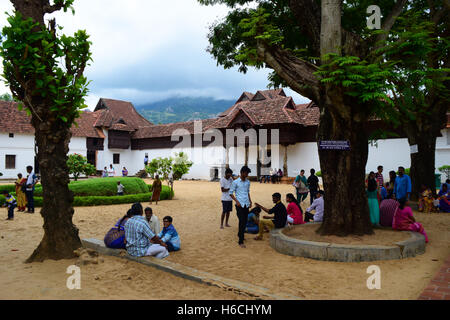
point(22, 146)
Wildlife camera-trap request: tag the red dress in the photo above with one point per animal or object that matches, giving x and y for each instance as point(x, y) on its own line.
point(294, 212)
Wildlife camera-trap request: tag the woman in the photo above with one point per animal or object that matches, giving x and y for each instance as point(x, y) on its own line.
point(392, 177)
point(253, 221)
point(372, 194)
point(444, 199)
point(294, 212)
point(20, 194)
point(404, 219)
point(156, 190)
point(124, 172)
point(115, 238)
point(423, 196)
point(301, 185)
point(169, 235)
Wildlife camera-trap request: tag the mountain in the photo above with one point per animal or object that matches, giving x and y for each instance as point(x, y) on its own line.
point(179, 109)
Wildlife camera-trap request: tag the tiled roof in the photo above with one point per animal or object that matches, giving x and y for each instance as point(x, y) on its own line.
point(115, 110)
point(14, 121)
point(166, 130)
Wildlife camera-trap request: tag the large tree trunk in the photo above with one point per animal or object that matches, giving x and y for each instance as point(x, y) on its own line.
point(60, 235)
point(343, 172)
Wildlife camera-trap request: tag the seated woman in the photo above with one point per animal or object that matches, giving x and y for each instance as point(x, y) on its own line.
point(444, 199)
point(294, 211)
point(423, 196)
point(115, 238)
point(253, 221)
point(387, 211)
point(169, 235)
point(404, 219)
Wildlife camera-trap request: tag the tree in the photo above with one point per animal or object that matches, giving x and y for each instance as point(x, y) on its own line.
point(79, 165)
point(161, 167)
point(44, 70)
point(181, 165)
point(420, 45)
point(324, 51)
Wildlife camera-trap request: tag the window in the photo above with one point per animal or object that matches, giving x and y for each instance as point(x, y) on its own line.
point(10, 161)
point(116, 158)
point(11, 135)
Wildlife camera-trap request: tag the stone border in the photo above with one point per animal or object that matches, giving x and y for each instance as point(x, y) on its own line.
point(346, 253)
point(238, 287)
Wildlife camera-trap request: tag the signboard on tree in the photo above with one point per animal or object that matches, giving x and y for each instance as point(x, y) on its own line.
point(334, 145)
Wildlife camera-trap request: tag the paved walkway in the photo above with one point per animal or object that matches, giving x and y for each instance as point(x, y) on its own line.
point(439, 287)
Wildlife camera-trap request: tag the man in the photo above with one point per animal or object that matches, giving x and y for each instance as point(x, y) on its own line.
point(169, 235)
point(141, 241)
point(379, 176)
point(317, 205)
point(279, 219)
point(313, 185)
point(146, 160)
point(227, 202)
point(111, 171)
point(152, 220)
point(240, 193)
point(402, 185)
point(120, 188)
point(31, 182)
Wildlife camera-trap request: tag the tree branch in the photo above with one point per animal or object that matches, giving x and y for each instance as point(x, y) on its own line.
point(298, 74)
point(390, 20)
point(47, 8)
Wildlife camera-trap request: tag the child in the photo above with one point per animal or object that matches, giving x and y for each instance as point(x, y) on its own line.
point(169, 235)
point(253, 221)
point(120, 188)
point(11, 203)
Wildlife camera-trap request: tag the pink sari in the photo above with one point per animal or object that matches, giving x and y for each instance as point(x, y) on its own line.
point(403, 221)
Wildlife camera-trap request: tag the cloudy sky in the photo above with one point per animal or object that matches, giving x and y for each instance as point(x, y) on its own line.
point(149, 50)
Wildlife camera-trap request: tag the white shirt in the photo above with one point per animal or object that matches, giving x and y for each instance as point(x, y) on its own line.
point(111, 172)
point(226, 184)
point(120, 188)
point(317, 205)
point(30, 179)
point(154, 224)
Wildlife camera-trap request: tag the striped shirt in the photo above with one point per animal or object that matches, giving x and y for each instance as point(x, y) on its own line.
point(138, 235)
point(11, 201)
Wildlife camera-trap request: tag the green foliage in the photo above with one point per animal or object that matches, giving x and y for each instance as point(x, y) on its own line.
point(160, 166)
point(319, 173)
point(6, 97)
point(181, 165)
point(79, 165)
point(446, 170)
point(52, 66)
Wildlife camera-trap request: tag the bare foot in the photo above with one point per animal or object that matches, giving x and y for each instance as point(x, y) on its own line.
point(242, 245)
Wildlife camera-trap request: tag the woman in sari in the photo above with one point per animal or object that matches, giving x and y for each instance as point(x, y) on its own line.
point(115, 238)
point(156, 190)
point(444, 199)
point(405, 221)
point(20, 195)
point(372, 195)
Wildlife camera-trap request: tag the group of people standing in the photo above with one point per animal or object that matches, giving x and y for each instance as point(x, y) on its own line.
point(24, 199)
point(141, 236)
point(238, 191)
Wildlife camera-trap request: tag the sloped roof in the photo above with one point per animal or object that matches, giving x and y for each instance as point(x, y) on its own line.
point(166, 130)
point(112, 111)
point(14, 121)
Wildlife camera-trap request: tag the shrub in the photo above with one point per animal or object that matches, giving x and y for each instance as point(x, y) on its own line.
point(445, 170)
point(78, 165)
point(88, 201)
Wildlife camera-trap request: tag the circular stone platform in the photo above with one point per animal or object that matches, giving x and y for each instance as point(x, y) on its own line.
point(328, 251)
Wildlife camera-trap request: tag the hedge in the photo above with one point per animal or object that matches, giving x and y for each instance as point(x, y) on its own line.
point(96, 187)
point(89, 201)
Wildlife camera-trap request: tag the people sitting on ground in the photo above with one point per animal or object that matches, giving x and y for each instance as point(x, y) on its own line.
point(294, 211)
point(11, 203)
point(387, 211)
point(152, 220)
point(444, 199)
point(424, 204)
point(447, 182)
point(372, 195)
point(115, 237)
point(384, 191)
point(405, 221)
point(141, 241)
point(301, 186)
point(277, 221)
point(318, 206)
point(124, 172)
point(156, 190)
point(402, 186)
point(120, 188)
point(253, 221)
point(169, 235)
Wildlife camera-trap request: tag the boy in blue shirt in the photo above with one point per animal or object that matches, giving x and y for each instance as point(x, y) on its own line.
point(169, 235)
point(11, 203)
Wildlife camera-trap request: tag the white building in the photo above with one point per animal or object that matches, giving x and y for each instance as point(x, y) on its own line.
point(115, 133)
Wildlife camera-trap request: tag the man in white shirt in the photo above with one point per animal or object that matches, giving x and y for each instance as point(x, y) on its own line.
point(31, 182)
point(111, 171)
point(152, 220)
point(317, 205)
point(227, 202)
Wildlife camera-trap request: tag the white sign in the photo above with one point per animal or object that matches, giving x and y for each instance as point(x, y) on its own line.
point(414, 149)
point(74, 281)
point(374, 281)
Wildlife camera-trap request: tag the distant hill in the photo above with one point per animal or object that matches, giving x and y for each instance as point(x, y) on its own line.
point(179, 109)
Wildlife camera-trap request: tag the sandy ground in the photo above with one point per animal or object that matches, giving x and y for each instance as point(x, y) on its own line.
point(196, 212)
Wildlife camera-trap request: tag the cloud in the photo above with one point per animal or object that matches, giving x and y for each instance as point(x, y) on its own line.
point(145, 51)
